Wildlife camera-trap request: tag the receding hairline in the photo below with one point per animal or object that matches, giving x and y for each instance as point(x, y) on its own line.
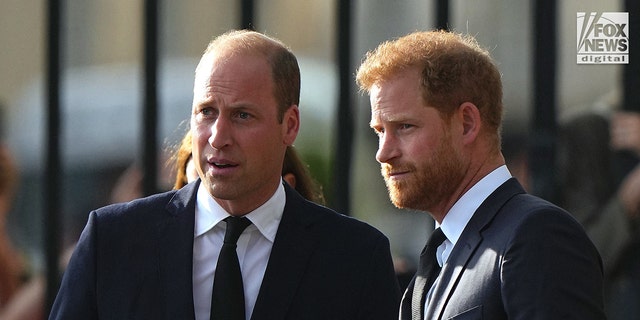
point(283, 64)
point(242, 41)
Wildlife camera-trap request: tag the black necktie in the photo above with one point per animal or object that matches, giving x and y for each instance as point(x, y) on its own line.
point(427, 273)
point(227, 299)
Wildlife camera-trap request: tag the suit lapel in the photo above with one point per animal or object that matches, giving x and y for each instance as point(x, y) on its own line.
point(452, 270)
point(175, 253)
point(468, 243)
point(292, 248)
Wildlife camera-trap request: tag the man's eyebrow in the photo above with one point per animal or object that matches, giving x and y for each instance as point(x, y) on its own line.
point(207, 100)
point(240, 106)
point(395, 118)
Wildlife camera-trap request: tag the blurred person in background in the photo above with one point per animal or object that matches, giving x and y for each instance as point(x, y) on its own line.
point(155, 257)
point(607, 206)
point(296, 173)
point(184, 166)
point(11, 263)
point(436, 106)
point(21, 293)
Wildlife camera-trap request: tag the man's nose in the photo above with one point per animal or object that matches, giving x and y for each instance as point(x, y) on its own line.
point(220, 133)
point(387, 148)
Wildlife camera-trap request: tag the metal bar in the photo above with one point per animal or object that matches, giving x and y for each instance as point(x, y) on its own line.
point(247, 15)
point(544, 104)
point(631, 71)
point(442, 14)
point(53, 171)
point(150, 112)
point(345, 114)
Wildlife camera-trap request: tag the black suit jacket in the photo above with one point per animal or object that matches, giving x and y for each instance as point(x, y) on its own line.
point(519, 257)
point(134, 261)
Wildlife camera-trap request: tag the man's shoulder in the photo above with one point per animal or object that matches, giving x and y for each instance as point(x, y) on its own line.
point(512, 202)
point(529, 216)
point(511, 212)
point(531, 207)
point(140, 207)
point(340, 223)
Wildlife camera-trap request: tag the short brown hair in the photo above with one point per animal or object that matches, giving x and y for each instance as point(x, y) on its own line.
point(455, 69)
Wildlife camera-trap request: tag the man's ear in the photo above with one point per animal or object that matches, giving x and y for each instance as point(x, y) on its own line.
point(290, 178)
point(290, 124)
point(471, 121)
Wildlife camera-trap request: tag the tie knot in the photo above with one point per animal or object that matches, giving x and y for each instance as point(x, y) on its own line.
point(436, 238)
point(235, 226)
point(429, 251)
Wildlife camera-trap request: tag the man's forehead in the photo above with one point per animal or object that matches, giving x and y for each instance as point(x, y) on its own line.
point(374, 91)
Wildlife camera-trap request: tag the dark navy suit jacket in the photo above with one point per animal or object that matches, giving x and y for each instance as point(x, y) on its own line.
point(134, 261)
point(519, 257)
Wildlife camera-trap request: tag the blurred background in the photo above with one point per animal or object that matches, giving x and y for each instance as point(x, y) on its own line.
point(104, 109)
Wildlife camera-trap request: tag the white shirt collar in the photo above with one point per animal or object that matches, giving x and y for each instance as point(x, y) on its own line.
point(265, 218)
point(459, 215)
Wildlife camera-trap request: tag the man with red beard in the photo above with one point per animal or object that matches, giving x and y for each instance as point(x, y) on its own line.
point(436, 105)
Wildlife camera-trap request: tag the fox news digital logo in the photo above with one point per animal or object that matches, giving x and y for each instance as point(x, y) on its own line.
point(603, 38)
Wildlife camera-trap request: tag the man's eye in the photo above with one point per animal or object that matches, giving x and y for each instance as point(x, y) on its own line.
point(243, 115)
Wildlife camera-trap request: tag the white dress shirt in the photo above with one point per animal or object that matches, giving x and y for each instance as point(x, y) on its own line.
point(459, 215)
point(254, 247)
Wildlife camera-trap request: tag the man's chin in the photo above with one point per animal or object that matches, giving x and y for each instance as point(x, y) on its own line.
point(403, 198)
point(218, 190)
point(396, 199)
